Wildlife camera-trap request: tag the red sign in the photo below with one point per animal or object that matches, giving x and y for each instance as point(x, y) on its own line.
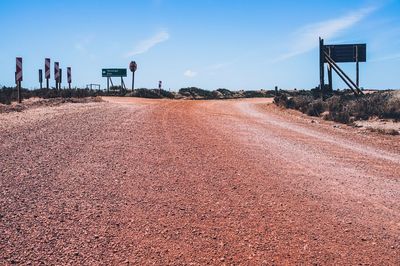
point(133, 66)
point(18, 69)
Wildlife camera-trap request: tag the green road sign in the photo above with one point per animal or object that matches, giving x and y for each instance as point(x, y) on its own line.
point(113, 72)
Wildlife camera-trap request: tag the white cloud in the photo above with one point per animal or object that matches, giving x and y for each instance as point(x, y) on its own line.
point(145, 45)
point(190, 74)
point(306, 38)
point(83, 44)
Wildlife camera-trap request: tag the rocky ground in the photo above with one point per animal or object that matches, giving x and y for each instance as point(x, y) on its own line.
point(136, 182)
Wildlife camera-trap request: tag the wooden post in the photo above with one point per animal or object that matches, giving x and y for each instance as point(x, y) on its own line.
point(330, 74)
point(60, 79)
point(357, 69)
point(330, 78)
point(19, 92)
point(321, 65)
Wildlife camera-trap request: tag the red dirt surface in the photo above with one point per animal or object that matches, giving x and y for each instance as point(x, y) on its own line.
point(138, 182)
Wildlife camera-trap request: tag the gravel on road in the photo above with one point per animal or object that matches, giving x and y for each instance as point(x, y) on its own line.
point(140, 182)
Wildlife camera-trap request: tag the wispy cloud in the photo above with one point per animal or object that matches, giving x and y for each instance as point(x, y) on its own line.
point(145, 45)
point(392, 57)
point(220, 66)
point(190, 73)
point(83, 44)
point(306, 38)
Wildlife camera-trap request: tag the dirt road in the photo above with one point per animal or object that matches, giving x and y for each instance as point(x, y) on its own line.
point(137, 182)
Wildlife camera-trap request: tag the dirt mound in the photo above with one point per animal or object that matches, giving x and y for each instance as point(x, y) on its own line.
point(37, 102)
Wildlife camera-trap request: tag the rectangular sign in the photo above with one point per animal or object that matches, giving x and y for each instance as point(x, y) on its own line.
point(40, 76)
point(113, 72)
point(47, 68)
point(347, 53)
point(56, 71)
point(69, 76)
point(18, 69)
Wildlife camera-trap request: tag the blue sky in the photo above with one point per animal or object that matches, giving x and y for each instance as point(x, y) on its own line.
point(234, 44)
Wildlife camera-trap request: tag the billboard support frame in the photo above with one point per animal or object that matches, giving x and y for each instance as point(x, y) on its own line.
point(345, 54)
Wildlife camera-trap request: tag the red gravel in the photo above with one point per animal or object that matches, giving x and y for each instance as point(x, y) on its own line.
point(135, 181)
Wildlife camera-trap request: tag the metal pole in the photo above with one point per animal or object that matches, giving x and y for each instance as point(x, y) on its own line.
point(47, 83)
point(108, 85)
point(133, 81)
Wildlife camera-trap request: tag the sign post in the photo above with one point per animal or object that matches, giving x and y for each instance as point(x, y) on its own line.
point(57, 73)
point(60, 79)
point(321, 65)
point(41, 78)
point(69, 77)
point(133, 68)
point(47, 71)
point(159, 87)
point(18, 77)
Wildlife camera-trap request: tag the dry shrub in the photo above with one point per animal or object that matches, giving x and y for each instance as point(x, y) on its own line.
point(392, 132)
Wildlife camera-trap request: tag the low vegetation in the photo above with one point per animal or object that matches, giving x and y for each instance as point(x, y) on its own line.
point(344, 107)
point(8, 95)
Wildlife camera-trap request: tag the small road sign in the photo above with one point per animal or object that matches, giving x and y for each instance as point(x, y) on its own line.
point(133, 66)
point(47, 68)
point(56, 71)
point(18, 69)
point(18, 77)
point(69, 76)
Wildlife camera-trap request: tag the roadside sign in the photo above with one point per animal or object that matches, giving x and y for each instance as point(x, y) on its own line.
point(47, 68)
point(69, 76)
point(18, 69)
point(40, 76)
point(347, 53)
point(113, 72)
point(133, 66)
point(56, 71)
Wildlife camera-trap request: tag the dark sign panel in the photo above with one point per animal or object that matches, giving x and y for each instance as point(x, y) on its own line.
point(113, 72)
point(40, 76)
point(347, 53)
